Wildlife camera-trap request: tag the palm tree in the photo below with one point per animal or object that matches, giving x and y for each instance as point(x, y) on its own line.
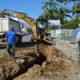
point(63, 10)
point(49, 8)
point(56, 10)
point(76, 11)
point(63, 14)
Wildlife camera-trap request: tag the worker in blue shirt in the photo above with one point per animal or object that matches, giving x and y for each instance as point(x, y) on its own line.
point(11, 41)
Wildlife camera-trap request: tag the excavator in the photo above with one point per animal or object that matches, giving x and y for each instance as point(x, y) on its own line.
point(34, 23)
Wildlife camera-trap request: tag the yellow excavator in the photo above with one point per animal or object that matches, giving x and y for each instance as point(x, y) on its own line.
point(37, 33)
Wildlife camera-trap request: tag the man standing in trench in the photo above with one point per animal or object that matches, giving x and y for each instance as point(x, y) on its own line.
point(11, 41)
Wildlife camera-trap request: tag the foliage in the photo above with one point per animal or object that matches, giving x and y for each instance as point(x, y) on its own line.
point(59, 10)
point(72, 24)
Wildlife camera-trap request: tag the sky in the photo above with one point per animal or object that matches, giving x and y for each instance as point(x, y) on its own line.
point(31, 7)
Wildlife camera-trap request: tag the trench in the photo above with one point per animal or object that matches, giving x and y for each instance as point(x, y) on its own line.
point(39, 59)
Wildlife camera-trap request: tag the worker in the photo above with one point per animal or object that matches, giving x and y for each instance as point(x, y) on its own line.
point(78, 40)
point(41, 30)
point(11, 41)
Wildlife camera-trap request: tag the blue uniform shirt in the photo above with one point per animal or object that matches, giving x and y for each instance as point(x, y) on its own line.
point(11, 37)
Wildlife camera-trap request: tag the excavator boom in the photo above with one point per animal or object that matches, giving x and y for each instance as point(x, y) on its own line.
point(24, 17)
point(36, 32)
point(19, 15)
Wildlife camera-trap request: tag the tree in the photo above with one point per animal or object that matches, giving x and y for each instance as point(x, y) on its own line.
point(72, 24)
point(63, 10)
point(50, 8)
point(59, 10)
point(76, 11)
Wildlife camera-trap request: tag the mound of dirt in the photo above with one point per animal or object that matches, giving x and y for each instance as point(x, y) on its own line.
point(56, 65)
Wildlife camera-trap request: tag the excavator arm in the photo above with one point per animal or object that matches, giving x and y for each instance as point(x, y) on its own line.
point(27, 19)
point(19, 15)
point(24, 17)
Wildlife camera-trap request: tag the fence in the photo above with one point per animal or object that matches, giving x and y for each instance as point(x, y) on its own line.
point(64, 34)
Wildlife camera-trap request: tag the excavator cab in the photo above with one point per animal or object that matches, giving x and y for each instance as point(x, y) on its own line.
point(42, 28)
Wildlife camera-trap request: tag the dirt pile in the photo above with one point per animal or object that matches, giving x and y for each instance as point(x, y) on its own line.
point(25, 58)
point(50, 62)
point(56, 65)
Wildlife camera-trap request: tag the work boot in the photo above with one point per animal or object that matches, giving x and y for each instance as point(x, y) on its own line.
point(11, 58)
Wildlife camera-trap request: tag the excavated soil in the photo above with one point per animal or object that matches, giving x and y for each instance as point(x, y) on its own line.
point(56, 64)
point(48, 63)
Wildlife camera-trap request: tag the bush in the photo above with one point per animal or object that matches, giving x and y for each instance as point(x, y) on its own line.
point(72, 24)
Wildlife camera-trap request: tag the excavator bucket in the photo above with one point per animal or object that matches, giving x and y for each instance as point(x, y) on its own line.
point(43, 30)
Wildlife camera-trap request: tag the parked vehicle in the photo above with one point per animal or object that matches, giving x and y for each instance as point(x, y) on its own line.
point(5, 24)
